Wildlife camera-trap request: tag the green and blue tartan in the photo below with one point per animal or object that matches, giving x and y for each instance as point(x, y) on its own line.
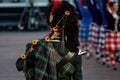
point(52, 58)
point(41, 64)
point(45, 66)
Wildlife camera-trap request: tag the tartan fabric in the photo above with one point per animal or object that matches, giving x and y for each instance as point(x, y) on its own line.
point(45, 64)
point(84, 33)
point(40, 64)
point(94, 34)
point(112, 40)
point(67, 68)
point(45, 60)
point(102, 33)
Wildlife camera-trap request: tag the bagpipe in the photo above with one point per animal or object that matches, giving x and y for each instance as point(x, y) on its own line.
point(41, 55)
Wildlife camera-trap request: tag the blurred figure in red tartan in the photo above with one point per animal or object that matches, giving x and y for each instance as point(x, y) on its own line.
point(112, 40)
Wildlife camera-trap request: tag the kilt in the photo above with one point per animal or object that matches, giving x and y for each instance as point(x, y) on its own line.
point(102, 33)
point(112, 40)
point(94, 34)
point(84, 33)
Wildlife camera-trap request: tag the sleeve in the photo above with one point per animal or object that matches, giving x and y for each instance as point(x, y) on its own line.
point(104, 7)
point(78, 10)
point(79, 5)
point(119, 25)
point(97, 13)
point(92, 6)
point(101, 8)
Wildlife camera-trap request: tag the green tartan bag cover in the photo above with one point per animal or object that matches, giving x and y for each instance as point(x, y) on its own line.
point(19, 64)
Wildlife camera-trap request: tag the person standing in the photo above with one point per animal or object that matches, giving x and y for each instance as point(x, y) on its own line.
point(56, 56)
point(112, 39)
point(84, 28)
point(95, 26)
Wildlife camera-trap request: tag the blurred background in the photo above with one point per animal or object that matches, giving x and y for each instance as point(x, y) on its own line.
point(23, 15)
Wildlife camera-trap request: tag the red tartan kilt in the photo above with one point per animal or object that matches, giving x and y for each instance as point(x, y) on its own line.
point(112, 41)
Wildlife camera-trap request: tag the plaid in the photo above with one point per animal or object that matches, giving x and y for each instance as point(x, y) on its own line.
point(40, 63)
point(112, 40)
point(43, 67)
point(94, 34)
point(45, 64)
point(46, 58)
point(102, 33)
point(84, 33)
point(67, 68)
point(112, 59)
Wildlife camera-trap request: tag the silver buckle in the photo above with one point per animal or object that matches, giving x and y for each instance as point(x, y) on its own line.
point(81, 52)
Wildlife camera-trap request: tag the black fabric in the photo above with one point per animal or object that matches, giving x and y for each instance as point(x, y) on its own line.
point(110, 19)
point(62, 63)
point(19, 64)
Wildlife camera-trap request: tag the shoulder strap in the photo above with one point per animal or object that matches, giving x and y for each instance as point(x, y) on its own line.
point(63, 63)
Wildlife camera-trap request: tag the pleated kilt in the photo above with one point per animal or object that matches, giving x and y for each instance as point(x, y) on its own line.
point(94, 34)
point(102, 32)
point(112, 40)
point(84, 32)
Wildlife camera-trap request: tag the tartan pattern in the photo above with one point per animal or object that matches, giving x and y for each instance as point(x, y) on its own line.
point(44, 68)
point(46, 58)
point(84, 33)
point(88, 48)
point(102, 33)
point(40, 63)
point(112, 40)
point(112, 59)
point(67, 68)
point(94, 34)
